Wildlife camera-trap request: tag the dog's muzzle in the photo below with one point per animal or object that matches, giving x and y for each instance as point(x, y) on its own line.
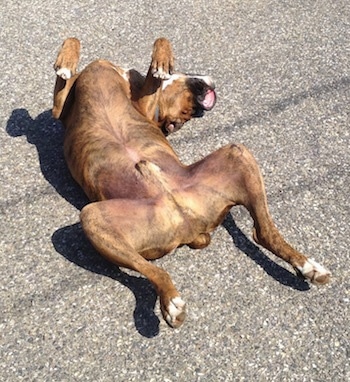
point(203, 90)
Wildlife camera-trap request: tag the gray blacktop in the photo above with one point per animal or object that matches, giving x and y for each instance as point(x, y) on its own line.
point(282, 70)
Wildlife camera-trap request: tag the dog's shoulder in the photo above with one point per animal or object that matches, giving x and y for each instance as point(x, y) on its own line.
point(131, 78)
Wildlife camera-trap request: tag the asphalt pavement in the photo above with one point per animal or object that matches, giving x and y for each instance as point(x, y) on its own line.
point(282, 71)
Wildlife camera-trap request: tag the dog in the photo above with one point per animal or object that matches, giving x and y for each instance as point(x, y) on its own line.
point(144, 201)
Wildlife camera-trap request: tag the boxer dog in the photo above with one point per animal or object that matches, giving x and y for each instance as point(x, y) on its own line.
point(145, 201)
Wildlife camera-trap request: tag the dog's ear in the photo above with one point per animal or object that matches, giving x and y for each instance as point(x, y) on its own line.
point(203, 91)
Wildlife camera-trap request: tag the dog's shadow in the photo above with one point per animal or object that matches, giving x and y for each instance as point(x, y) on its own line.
point(273, 269)
point(72, 243)
point(47, 135)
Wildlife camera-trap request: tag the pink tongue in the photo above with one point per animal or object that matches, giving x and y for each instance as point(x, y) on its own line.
point(209, 99)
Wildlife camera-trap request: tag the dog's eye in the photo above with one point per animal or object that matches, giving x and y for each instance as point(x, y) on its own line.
point(184, 112)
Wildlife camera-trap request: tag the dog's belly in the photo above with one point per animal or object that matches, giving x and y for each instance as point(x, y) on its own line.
point(117, 175)
point(124, 183)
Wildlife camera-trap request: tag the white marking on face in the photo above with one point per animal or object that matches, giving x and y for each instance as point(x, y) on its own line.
point(172, 78)
point(208, 80)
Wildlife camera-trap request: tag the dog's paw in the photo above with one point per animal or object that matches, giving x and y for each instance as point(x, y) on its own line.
point(175, 312)
point(64, 73)
point(314, 272)
point(162, 59)
point(67, 59)
point(160, 73)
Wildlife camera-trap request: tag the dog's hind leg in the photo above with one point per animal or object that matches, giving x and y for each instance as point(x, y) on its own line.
point(252, 195)
point(233, 176)
point(66, 71)
point(123, 231)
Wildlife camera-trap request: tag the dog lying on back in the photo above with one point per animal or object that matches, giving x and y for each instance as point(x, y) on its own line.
point(145, 202)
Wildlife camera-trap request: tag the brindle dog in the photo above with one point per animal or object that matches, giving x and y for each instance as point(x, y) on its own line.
point(145, 202)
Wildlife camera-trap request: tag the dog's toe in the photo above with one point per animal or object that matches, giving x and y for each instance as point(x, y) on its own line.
point(64, 73)
point(175, 312)
point(314, 272)
point(160, 73)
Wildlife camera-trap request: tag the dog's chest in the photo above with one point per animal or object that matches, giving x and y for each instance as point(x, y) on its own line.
point(133, 154)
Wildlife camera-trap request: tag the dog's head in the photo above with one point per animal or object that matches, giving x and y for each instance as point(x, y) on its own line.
point(184, 97)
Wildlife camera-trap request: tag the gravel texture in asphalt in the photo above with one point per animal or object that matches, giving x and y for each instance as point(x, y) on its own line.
point(282, 71)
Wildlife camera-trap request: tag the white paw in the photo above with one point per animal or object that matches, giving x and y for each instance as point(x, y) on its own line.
point(64, 73)
point(176, 312)
point(160, 73)
point(314, 272)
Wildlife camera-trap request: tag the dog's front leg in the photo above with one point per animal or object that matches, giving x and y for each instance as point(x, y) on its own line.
point(162, 65)
point(66, 69)
point(119, 230)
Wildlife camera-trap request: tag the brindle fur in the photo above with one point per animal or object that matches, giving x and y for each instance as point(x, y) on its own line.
point(145, 201)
